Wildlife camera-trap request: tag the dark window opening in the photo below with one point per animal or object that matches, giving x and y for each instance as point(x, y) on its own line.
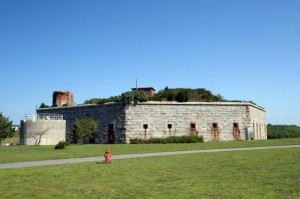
point(169, 126)
point(110, 134)
point(145, 126)
point(193, 125)
point(235, 125)
point(215, 125)
point(110, 127)
point(193, 129)
point(75, 135)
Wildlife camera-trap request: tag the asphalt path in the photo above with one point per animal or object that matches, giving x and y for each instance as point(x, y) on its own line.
point(127, 156)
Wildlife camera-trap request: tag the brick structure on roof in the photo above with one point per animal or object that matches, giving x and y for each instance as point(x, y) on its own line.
point(149, 91)
point(63, 98)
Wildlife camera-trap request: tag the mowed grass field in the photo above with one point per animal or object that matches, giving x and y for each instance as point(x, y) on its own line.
point(271, 173)
point(31, 153)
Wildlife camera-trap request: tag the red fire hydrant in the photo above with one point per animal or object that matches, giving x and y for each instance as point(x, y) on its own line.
point(107, 156)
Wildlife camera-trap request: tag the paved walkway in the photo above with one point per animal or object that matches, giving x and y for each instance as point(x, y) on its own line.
point(117, 157)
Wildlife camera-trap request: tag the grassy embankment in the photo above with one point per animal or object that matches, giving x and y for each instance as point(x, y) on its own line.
point(273, 173)
point(15, 139)
point(31, 153)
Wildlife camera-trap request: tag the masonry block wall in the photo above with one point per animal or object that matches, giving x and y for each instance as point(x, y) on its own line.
point(107, 115)
point(258, 123)
point(214, 121)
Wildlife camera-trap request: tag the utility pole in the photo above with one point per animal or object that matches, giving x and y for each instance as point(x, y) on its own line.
point(136, 86)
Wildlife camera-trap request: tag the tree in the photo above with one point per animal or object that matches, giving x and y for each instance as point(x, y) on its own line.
point(170, 96)
point(126, 98)
point(283, 131)
point(139, 96)
point(85, 128)
point(43, 105)
point(182, 96)
point(6, 129)
point(132, 97)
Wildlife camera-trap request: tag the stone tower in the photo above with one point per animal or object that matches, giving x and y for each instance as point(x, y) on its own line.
point(63, 98)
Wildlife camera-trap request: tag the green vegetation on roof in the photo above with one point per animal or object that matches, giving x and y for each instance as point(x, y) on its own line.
point(187, 95)
point(169, 94)
point(101, 100)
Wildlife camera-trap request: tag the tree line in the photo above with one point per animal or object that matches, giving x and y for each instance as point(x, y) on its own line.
point(283, 131)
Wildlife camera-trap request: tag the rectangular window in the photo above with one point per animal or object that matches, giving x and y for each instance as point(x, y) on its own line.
point(169, 126)
point(193, 126)
point(235, 125)
point(145, 126)
point(215, 125)
point(110, 127)
point(193, 130)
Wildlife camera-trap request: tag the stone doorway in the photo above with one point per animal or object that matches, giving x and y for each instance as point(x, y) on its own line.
point(236, 132)
point(193, 130)
point(74, 135)
point(215, 133)
point(110, 134)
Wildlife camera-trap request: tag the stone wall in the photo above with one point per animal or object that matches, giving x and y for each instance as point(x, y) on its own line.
point(258, 123)
point(213, 120)
point(162, 119)
point(103, 114)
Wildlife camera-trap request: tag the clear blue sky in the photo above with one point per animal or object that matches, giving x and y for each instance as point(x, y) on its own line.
point(241, 49)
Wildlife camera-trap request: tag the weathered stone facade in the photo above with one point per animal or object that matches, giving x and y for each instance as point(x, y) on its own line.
point(42, 132)
point(213, 120)
point(105, 115)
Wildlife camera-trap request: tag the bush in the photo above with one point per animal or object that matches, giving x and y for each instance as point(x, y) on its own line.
point(61, 145)
point(168, 140)
point(182, 96)
point(132, 97)
point(85, 129)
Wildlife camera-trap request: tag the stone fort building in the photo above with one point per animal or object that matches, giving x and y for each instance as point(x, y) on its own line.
point(215, 121)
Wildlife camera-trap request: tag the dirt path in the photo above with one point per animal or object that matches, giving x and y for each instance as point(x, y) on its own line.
point(117, 157)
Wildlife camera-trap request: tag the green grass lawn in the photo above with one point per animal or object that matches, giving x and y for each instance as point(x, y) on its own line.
point(269, 174)
point(31, 153)
point(15, 139)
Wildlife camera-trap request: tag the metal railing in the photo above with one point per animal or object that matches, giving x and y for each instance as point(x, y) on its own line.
point(43, 116)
